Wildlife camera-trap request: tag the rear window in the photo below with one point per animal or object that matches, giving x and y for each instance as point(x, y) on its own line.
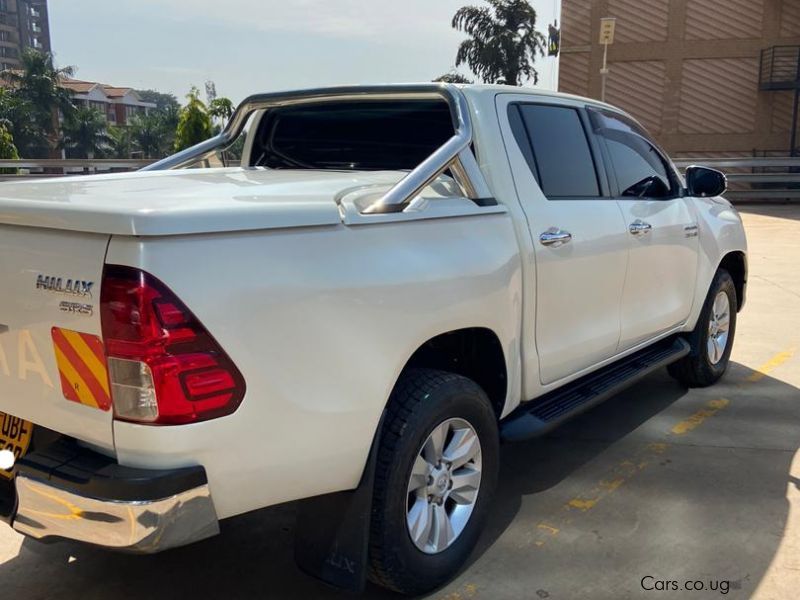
point(367, 135)
point(554, 143)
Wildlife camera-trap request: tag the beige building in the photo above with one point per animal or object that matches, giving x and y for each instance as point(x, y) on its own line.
point(690, 70)
point(118, 104)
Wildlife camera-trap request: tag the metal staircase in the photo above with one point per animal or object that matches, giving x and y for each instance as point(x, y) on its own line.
point(780, 71)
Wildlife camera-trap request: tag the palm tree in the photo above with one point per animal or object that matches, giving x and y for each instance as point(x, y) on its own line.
point(36, 84)
point(503, 41)
point(84, 133)
point(221, 108)
point(120, 142)
point(153, 133)
point(453, 77)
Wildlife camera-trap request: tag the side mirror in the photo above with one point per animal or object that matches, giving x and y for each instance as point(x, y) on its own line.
point(705, 183)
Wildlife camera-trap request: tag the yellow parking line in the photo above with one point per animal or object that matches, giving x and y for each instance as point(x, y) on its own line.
point(621, 473)
point(712, 408)
point(772, 364)
point(548, 528)
point(628, 468)
point(468, 591)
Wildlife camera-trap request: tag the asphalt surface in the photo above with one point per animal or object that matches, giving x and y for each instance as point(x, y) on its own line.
point(658, 485)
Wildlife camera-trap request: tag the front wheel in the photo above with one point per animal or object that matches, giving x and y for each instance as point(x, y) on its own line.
point(435, 477)
point(712, 339)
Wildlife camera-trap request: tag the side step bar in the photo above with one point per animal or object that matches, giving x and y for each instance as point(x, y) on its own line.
point(544, 414)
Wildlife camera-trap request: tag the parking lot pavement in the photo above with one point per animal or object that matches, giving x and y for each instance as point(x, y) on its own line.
point(658, 485)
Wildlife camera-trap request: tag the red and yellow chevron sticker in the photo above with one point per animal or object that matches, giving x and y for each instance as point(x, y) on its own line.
point(82, 367)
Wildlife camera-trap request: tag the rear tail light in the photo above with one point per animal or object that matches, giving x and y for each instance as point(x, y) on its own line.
point(164, 366)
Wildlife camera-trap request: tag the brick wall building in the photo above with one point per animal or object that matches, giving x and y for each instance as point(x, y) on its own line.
point(687, 69)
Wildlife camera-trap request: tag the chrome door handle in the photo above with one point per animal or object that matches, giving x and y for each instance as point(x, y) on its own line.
point(639, 227)
point(555, 237)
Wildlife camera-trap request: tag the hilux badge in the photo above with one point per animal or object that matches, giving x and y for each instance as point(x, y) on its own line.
point(62, 285)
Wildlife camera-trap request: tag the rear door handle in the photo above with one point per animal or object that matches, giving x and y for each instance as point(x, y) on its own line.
point(555, 237)
point(639, 227)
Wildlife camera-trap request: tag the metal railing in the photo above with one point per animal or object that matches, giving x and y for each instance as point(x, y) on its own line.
point(455, 154)
point(780, 68)
point(750, 178)
point(11, 170)
point(755, 178)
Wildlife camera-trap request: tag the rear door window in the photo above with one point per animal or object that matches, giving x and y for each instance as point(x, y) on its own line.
point(554, 143)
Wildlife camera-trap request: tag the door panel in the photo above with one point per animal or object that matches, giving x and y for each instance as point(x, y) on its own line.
point(578, 286)
point(662, 231)
point(579, 281)
point(662, 271)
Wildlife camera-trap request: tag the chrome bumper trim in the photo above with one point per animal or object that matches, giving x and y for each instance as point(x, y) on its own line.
point(132, 526)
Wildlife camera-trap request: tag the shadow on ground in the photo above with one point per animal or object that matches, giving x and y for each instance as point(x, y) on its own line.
point(253, 556)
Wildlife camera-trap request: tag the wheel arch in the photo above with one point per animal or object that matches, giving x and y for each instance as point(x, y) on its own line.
point(722, 244)
point(473, 352)
point(735, 263)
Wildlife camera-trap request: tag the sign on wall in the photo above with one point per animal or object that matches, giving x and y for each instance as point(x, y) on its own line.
point(607, 27)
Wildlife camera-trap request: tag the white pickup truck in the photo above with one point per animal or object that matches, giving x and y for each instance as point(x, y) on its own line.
point(395, 279)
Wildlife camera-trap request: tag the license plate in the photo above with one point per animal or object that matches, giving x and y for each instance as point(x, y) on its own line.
point(15, 435)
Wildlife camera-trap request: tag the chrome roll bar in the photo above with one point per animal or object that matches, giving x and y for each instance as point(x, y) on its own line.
point(456, 154)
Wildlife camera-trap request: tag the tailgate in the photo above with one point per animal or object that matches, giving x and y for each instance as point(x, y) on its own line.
point(52, 370)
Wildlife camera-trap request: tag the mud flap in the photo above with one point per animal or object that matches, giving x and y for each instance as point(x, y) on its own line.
point(332, 533)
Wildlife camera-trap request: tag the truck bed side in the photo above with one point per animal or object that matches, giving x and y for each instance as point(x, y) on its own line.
point(317, 320)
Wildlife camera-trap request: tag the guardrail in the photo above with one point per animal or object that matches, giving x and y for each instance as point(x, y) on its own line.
point(11, 170)
point(755, 178)
point(750, 178)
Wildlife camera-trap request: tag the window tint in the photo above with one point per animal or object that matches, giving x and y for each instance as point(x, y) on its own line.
point(352, 135)
point(604, 119)
point(561, 158)
point(639, 165)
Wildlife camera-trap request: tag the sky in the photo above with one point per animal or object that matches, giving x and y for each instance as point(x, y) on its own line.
point(249, 46)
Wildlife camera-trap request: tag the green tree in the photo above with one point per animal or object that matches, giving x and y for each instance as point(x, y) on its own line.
point(84, 133)
point(28, 136)
point(153, 134)
point(453, 77)
point(37, 99)
point(163, 102)
point(221, 108)
point(120, 142)
point(194, 124)
point(8, 149)
point(502, 43)
point(157, 131)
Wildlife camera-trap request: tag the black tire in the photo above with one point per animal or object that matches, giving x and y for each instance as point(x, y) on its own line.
point(696, 369)
point(422, 400)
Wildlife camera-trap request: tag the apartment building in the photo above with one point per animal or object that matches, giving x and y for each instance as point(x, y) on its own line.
point(118, 104)
point(23, 24)
point(706, 77)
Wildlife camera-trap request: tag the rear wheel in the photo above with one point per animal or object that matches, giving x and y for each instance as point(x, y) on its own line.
point(712, 339)
point(436, 474)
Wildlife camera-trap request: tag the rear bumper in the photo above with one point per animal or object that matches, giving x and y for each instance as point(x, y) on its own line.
point(64, 491)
